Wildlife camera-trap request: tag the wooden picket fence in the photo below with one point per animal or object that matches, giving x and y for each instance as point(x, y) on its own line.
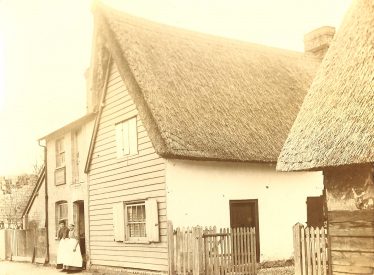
point(209, 251)
point(310, 250)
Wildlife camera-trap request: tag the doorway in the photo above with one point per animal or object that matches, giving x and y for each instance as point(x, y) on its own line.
point(78, 215)
point(244, 213)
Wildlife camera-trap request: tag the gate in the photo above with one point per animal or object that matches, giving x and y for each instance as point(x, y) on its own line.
point(205, 251)
point(310, 250)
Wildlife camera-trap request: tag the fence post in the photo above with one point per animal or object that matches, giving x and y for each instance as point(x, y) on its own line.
point(297, 248)
point(171, 248)
point(2, 247)
point(197, 250)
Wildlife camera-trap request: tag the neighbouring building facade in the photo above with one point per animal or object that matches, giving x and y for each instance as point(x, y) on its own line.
point(333, 132)
point(34, 214)
point(189, 129)
point(66, 181)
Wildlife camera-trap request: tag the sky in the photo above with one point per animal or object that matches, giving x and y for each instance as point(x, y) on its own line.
point(45, 49)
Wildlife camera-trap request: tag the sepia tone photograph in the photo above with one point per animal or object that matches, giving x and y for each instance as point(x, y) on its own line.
point(171, 137)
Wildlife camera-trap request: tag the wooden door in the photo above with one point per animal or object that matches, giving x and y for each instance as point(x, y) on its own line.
point(244, 213)
point(78, 214)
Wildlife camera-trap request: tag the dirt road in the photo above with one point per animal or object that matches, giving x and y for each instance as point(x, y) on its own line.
point(15, 268)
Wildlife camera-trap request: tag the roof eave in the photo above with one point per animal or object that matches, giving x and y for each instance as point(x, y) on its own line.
point(72, 125)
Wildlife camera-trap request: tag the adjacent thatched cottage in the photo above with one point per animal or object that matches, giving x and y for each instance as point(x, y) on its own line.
point(334, 132)
point(189, 129)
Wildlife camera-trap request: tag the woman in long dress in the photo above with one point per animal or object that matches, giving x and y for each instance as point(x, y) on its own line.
point(62, 235)
point(73, 260)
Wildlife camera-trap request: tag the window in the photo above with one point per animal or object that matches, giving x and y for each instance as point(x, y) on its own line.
point(60, 153)
point(136, 221)
point(135, 216)
point(126, 138)
point(60, 174)
point(61, 209)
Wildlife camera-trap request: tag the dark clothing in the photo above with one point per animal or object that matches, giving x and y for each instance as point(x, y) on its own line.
point(63, 233)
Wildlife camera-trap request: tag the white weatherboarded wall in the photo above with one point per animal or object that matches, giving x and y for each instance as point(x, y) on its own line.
point(198, 193)
point(114, 180)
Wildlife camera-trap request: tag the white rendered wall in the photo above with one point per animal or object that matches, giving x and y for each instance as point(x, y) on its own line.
point(198, 193)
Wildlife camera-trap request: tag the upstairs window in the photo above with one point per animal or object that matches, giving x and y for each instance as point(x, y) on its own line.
point(60, 173)
point(127, 138)
point(60, 153)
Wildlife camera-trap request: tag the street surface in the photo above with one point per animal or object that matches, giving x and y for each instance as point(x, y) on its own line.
point(15, 268)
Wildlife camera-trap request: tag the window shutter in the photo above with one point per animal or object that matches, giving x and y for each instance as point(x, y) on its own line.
point(152, 226)
point(125, 136)
point(118, 222)
point(119, 140)
point(133, 136)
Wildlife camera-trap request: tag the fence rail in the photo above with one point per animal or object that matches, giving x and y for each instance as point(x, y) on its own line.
point(209, 251)
point(311, 250)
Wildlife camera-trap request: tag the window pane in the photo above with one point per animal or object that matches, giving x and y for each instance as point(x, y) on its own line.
point(131, 230)
point(129, 214)
point(140, 213)
point(135, 213)
point(142, 229)
point(137, 231)
point(64, 211)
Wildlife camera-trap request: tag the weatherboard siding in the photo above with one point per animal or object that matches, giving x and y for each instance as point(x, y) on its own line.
point(350, 223)
point(115, 179)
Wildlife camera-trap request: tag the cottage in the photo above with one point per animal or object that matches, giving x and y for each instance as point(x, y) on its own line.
point(334, 133)
point(66, 181)
point(189, 129)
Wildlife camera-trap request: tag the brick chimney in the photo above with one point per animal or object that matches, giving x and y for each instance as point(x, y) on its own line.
point(317, 42)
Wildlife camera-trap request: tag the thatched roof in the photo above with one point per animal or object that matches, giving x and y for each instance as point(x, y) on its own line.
point(206, 97)
point(335, 125)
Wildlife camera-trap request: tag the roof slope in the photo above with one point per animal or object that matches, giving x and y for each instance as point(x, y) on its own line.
point(208, 97)
point(34, 194)
point(335, 125)
point(76, 123)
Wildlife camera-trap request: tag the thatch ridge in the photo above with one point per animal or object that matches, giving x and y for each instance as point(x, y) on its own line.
point(209, 97)
point(335, 124)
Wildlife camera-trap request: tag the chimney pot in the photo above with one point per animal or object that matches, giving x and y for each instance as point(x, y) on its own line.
point(317, 42)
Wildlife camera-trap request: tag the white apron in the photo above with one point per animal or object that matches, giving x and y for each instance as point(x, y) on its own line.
point(72, 258)
point(61, 251)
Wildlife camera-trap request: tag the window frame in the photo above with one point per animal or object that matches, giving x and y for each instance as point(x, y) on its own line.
point(135, 239)
point(60, 141)
point(58, 205)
